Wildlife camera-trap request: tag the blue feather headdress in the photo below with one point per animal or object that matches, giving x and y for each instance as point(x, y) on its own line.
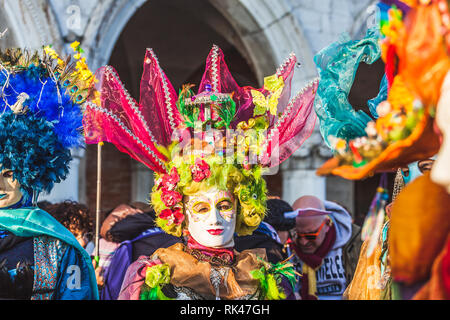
point(41, 101)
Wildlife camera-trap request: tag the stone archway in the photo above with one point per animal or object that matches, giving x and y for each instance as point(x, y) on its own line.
point(269, 33)
point(263, 33)
point(30, 25)
point(181, 56)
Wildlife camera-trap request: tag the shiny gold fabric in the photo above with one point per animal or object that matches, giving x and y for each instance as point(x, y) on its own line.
point(420, 224)
point(186, 271)
point(366, 281)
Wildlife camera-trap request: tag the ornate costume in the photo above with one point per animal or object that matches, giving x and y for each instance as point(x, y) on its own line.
point(413, 245)
point(40, 121)
point(209, 152)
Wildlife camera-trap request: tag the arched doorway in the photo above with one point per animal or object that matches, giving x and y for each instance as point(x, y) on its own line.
point(181, 34)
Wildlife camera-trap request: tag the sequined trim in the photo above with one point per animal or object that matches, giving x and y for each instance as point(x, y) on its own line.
point(125, 129)
point(285, 63)
point(132, 103)
point(223, 259)
point(185, 293)
point(214, 68)
point(168, 99)
point(287, 112)
point(48, 253)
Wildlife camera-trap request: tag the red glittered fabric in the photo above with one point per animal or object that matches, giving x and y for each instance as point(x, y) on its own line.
point(120, 120)
point(112, 115)
point(446, 270)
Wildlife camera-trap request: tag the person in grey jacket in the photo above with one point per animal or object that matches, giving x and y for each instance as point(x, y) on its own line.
point(325, 240)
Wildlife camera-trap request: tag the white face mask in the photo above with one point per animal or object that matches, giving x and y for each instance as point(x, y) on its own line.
point(440, 173)
point(212, 218)
point(9, 189)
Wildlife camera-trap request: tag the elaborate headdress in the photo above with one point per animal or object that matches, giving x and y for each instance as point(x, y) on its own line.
point(403, 132)
point(40, 115)
point(223, 136)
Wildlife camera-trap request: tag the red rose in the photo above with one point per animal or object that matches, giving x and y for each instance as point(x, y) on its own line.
point(200, 170)
point(172, 216)
point(170, 198)
point(169, 181)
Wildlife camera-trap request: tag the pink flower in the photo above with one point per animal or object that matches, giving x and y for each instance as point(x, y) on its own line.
point(170, 198)
point(168, 182)
point(172, 216)
point(200, 170)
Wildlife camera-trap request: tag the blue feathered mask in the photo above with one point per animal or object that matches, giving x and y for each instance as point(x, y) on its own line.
point(40, 116)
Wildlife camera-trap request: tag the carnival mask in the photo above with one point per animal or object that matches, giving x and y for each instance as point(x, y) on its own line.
point(212, 218)
point(440, 173)
point(9, 189)
point(416, 169)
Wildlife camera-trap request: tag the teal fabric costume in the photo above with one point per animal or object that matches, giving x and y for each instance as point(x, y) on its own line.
point(337, 65)
point(34, 222)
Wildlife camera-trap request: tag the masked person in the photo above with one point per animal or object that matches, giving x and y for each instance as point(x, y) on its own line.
point(207, 187)
point(40, 120)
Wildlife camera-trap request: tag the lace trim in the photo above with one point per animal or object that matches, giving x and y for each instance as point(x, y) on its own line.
point(185, 293)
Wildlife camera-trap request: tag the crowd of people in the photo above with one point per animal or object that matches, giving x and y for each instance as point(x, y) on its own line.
point(210, 230)
point(314, 232)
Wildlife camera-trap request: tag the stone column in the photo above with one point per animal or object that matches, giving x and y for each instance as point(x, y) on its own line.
point(141, 182)
point(299, 171)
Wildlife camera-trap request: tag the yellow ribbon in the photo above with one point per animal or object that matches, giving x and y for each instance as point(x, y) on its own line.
point(312, 282)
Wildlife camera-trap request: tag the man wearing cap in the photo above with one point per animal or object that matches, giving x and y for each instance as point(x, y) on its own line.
point(324, 241)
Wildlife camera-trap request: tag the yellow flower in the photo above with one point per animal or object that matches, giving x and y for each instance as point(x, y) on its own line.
point(273, 83)
point(263, 104)
point(244, 125)
point(341, 144)
point(74, 45)
point(51, 52)
point(157, 274)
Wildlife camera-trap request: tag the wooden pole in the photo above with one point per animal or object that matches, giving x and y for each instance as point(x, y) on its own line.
point(98, 202)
